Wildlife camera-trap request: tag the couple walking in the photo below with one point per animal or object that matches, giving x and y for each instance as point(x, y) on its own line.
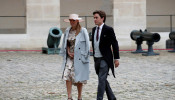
point(75, 51)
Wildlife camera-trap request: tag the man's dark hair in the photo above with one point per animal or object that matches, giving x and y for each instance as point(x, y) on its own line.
point(101, 13)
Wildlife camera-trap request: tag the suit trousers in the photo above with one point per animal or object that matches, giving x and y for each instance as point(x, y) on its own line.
point(102, 70)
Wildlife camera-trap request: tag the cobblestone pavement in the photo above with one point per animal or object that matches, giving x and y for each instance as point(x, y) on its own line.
point(36, 76)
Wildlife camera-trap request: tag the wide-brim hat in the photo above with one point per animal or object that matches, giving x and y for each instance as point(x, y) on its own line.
point(74, 17)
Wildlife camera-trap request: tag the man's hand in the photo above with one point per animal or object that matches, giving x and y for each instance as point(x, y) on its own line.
point(116, 62)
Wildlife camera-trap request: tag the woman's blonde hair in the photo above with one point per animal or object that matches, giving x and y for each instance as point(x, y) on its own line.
point(78, 28)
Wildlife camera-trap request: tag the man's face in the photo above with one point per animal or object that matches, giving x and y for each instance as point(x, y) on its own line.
point(98, 20)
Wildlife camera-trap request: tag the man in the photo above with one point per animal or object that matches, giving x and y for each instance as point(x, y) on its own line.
point(103, 37)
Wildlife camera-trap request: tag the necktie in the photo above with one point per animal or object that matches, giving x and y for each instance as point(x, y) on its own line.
point(97, 36)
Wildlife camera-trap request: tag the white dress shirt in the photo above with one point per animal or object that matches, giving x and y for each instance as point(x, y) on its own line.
point(96, 43)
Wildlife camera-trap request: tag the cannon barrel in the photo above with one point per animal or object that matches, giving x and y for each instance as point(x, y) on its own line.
point(146, 36)
point(135, 34)
point(172, 35)
point(54, 37)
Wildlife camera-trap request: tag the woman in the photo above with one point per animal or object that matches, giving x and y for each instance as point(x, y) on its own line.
point(75, 52)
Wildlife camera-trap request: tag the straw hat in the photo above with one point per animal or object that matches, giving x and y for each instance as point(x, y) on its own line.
point(74, 17)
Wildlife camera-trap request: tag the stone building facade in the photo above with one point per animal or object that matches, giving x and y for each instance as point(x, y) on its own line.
point(40, 15)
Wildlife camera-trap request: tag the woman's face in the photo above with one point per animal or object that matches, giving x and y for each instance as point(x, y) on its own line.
point(73, 22)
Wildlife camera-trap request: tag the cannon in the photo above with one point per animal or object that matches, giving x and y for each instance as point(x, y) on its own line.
point(53, 41)
point(172, 37)
point(140, 36)
point(147, 36)
point(150, 38)
point(137, 36)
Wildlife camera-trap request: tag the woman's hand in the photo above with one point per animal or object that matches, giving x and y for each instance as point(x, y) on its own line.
point(71, 55)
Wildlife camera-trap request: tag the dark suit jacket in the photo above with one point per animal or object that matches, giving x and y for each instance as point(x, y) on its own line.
point(107, 39)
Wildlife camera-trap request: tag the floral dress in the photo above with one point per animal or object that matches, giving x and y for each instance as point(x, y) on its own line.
point(69, 68)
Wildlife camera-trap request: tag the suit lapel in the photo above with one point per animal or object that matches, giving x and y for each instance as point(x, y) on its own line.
point(102, 34)
point(93, 33)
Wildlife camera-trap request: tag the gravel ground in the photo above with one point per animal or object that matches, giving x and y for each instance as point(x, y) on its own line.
point(37, 76)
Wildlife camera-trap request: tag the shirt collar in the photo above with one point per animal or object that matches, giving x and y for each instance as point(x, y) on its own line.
point(101, 26)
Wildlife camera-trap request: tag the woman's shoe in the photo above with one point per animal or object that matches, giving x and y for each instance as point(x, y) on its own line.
point(79, 99)
point(69, 99)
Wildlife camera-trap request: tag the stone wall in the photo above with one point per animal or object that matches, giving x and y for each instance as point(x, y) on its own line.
point(129, 15)
point(41, 16)
point(160, 7)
